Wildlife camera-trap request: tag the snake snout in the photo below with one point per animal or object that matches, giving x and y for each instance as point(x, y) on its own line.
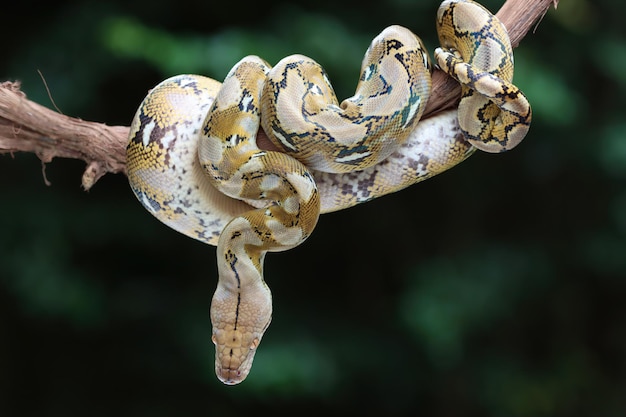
point(230, 376)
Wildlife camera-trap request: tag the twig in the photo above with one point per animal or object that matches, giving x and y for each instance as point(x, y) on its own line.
point(26, 126)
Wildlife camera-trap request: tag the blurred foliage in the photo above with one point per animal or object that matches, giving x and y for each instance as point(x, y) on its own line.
point(494, 289)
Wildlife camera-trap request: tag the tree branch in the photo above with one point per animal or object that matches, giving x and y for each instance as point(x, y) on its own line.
point(26, 126)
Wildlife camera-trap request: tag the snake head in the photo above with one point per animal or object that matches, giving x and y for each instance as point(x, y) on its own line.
point(238, 326)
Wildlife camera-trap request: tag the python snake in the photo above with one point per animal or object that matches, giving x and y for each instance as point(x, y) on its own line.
point(197, 160)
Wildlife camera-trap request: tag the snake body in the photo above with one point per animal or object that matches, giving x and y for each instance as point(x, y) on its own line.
point(303, 117)
point(196, 163)
point(476, 51)
point(241, 308)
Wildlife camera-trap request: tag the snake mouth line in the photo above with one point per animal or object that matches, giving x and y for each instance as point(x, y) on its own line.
point(229, 376)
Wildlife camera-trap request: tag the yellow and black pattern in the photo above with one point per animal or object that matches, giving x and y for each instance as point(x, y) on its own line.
point(193, 160)
point(434, 147)
point(241, 308)
point(162, 163)
point(476, 51)
point(302, 116)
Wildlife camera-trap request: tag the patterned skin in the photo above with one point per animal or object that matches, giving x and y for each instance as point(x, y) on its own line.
point(195, 162)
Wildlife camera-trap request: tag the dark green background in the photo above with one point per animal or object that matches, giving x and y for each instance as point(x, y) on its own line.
point(497, 288)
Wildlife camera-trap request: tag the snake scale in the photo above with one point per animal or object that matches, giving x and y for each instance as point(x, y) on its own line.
point(198, 162)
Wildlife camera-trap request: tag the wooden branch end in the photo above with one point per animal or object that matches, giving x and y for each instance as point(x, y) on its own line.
point(26, 126)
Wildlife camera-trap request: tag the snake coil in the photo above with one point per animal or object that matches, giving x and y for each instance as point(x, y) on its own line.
point(195, 162)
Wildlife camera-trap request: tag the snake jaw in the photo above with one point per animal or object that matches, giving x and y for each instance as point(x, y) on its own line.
point(234, 354)
point(239, 322)
point(233, 363)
